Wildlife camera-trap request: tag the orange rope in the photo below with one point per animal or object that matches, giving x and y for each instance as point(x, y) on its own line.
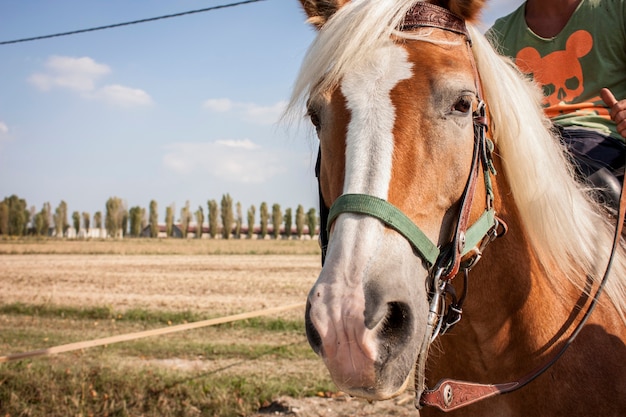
point(147, 333)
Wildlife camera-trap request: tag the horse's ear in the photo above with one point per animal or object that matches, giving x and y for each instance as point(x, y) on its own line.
point(467, 9)
point(319, 11)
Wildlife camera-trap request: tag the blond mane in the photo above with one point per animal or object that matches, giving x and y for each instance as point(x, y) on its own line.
point(568, 231)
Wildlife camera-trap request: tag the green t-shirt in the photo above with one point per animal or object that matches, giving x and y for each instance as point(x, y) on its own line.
point(587, 55)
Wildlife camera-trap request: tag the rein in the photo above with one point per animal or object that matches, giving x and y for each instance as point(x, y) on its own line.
point(466, 244)
point(450, 394)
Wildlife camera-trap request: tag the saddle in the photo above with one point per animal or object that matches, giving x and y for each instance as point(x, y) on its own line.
point(607, 186)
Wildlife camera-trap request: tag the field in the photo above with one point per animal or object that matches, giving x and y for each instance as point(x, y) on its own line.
point(59, 292)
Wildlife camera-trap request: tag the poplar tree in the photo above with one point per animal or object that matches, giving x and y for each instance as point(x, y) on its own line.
point(124, 216)
point(251, 216)
point(238, 221)
point(116, 217)
point(111, 216)
point(86, 222)
point(264, 219)
point(199, 222)
point(135, 215)
point(38, 225)
point(169, 220)
point(288, 223)
point(300, 220)
point(277, 220)
point(228, 217)
point(46, 213)
point(185, 219)
point(60, 219)
point(154, 219)
point(76, 221)
point(312, 221)
point(97, 219)
point(213, 218)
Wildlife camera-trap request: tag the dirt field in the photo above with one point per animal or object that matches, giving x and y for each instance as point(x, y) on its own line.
point(213, 285)
point(172, 277)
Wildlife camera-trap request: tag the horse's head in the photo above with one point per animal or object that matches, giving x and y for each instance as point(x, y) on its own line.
point(393, 93)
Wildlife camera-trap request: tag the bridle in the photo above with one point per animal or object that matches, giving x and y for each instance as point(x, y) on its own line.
point(462, 252)
point(465, 248)
point(467, 242)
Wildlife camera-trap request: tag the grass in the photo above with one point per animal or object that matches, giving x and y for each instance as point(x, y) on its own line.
point(231, 372)
point(97, 386)
point(143, 316)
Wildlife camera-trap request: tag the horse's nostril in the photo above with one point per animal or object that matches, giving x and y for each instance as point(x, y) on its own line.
point(315, 340)
point(397, 327)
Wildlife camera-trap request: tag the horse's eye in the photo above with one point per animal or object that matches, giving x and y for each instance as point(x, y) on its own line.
point(315, 119)
point(463, 105)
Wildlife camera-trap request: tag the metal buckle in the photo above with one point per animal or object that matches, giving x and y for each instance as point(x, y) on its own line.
point(437, 305)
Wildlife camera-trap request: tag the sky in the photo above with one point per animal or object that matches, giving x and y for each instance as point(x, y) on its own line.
point(177, 110)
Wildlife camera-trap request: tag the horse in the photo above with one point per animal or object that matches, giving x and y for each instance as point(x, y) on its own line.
point(460, 245)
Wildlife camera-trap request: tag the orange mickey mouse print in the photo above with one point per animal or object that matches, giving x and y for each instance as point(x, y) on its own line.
point(559, 73)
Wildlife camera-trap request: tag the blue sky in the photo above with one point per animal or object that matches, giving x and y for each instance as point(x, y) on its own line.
point(176, 110)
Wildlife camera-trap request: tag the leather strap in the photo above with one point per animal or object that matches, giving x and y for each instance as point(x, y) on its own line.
point(452, 261)
point(451, 394)
point(425, 14)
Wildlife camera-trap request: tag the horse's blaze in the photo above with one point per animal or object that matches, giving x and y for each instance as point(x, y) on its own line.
point(347, 317)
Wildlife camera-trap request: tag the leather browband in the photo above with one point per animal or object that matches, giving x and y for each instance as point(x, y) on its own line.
point(425, 14)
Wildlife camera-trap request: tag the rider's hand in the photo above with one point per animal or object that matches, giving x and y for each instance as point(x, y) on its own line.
point(618, 110)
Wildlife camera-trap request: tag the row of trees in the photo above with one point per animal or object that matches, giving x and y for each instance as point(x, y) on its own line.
point(224, 220)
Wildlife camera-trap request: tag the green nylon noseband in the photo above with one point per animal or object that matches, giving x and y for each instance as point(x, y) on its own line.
point(388, 214)
point(397, 220)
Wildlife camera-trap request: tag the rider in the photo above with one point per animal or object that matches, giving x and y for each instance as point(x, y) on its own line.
point(576, 51)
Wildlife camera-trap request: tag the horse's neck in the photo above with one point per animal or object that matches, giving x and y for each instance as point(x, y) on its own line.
point(512, 310)
point(515, 319)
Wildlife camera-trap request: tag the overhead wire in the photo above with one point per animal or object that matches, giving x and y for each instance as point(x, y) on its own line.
point(134, 22)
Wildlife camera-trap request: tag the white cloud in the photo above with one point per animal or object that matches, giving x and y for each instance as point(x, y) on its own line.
point(243, 144)
point(81, 75)
point(123, 96)
point(218, 104)
point(240, 161)
point(250, 112)
point(77, 74)
point(264, 114)
point(4, 129)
